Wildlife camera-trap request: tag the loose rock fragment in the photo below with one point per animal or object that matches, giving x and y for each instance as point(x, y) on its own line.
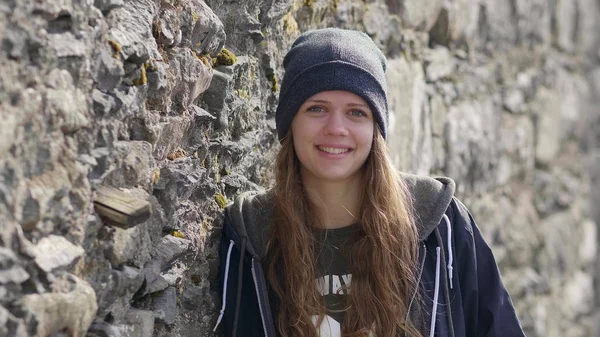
point(72, 311)
point(54, 252)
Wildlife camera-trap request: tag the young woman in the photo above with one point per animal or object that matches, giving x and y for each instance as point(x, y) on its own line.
point(343, 244)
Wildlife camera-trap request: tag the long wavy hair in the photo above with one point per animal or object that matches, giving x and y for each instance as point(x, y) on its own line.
point(382, 255)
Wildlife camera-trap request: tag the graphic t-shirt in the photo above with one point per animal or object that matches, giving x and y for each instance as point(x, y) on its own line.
point(333, 276)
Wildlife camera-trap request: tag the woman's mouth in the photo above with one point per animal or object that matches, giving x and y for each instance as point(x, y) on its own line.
point(333, 150)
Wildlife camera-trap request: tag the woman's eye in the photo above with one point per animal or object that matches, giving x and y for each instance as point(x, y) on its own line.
point(315, 109)
point(358, 113)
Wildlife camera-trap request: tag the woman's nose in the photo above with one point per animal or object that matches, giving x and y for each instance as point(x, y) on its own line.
point(336, 125)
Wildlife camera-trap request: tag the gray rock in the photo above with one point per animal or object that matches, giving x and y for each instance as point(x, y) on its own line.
point(194, 77)
point(172, 130)
point(166, 28)
point(201, 115)
point(115, 291)
point(534, 21)
point(378, 23)
point(577, 299)
point(67, 45)
point(136, 323)
point(439, 64)
point(107, 5)
point(179, 181)
point(133, 30)
point(69, 107)
point(30, 212)
point(415, 14)
point(165, 306)
point(158, 85)
point(169, 248)
point(215, 95)
point(546, 106)
point(142, 322)
point(589, 246)
point(157, 285)
point(406, 99)
point(54, 252)
point(72, 311)
point(131, 245)
point(514, 101)
point(107, 71)
point(136, 166)
point(104, 104)
point(15, 42)
point(208, 34)
point(472, 138)
point(10, 270)
point(566, 16)
point(10, 325)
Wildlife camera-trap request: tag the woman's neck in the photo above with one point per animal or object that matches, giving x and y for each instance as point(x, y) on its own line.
point(337, 203)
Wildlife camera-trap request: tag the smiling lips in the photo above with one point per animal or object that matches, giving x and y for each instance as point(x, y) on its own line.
point(333, 150)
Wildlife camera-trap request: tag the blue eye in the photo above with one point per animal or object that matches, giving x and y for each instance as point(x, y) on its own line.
point(358, 113)
point(315, 108)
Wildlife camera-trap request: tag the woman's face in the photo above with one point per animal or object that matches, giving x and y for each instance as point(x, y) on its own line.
point(333, 134)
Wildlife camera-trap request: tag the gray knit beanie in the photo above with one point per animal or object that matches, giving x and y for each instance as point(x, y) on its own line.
point(332, 59)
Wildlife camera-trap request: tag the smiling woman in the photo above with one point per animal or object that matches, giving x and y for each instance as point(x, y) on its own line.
point(332, 134)
point(343, 244)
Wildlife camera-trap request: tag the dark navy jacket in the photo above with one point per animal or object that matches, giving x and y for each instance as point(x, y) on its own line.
point(470, 301)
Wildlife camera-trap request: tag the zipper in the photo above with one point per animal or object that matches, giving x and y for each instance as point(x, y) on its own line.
point(258, 297)
point(421, 267)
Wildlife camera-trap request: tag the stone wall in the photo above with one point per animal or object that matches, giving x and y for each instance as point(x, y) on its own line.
point(140, 95)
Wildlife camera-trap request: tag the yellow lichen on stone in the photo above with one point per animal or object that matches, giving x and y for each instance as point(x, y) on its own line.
point(221, 200)
point(290, 26)
point(116, 47)
point(243, 93)
point(195, 17)
point(309, 3)
point(177, 234)
point(156, 176)
point(179, 153)
point(143, 78)
point(225, 58)
point(273, 79)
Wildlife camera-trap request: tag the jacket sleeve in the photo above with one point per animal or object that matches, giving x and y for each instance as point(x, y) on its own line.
point(488, 309)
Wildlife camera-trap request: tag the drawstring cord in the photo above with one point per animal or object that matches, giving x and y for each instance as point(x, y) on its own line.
point(436, 293)
point(446, 290)
point(450, 258)
point(231, 243)
point(239, 288)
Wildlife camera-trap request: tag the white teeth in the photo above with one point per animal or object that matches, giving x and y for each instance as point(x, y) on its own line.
point(333, 150)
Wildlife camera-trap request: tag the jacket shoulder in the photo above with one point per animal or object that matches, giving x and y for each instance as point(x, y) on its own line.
point(250, 216)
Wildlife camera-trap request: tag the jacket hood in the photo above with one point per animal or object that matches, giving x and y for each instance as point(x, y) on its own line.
point(251, 212)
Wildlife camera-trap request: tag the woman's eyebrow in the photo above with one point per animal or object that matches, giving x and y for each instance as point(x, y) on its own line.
point(359, 105)
point(328, 102)
point(318, 101)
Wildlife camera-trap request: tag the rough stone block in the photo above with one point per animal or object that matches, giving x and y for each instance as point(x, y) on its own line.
point(67, 45)
point(208, 34)
point(169, 248)
point(406, 99)
point(133, 30)
point(416, 14)
point(10, 270)
point(54, 252)
point(165, 306)
point(439, 64)
point(72, 311)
